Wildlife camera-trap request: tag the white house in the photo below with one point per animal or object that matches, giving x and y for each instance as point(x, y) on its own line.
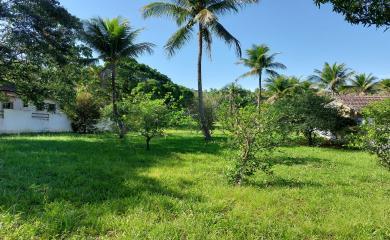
point(17, 116)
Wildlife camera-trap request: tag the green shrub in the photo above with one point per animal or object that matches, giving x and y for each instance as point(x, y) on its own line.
point(376, 130)
point(84, 113)
point(253, 135)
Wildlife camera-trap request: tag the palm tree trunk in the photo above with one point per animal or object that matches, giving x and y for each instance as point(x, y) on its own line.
point(259, 93)
point(202, 116)
point(114, 102)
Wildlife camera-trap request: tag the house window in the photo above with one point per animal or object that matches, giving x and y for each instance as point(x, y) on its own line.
point(51, 108)
point(8, 105)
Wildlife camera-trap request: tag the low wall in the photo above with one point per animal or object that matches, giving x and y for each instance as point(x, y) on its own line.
point(16, 121)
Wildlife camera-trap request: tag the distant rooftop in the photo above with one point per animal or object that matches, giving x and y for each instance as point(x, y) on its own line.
point(357, 102)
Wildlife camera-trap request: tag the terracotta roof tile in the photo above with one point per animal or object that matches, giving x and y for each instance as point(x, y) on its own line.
point(357, 102)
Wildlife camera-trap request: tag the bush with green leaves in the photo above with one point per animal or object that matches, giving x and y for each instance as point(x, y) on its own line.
point(84, 113)
point(376, 130)
point(253, 136)
point(308, 113)
point(147, 117)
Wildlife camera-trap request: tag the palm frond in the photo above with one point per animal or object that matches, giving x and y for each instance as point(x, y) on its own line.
point(251, 73)
point(229, 39)
point(178, 39)
point(176, 11)
point(208, 40)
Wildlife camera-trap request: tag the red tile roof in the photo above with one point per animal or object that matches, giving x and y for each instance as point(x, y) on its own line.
point(357, 102)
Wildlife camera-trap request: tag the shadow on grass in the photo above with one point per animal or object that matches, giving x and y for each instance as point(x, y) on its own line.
point(277, 182)
point(291, 161)
point(89, 170)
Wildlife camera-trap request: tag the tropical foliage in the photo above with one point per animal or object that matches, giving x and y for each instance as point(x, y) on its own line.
point(203, 15)
point(253, 135)
point(40, 52)
point(363, 83)
point(309, 113)
point(259, 60)
point(114, 40)
point(147, 117)
point(278, 86)
point(373, 12)
point(376, 130)
point(84, 112)
point(384, 85)
point(332, 77)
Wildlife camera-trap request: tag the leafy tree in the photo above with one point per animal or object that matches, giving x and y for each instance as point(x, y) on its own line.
point(260, 60)
point(114, 40)
point(202, 14)
point(174, 96)
point(376, 130)
point(308, 112)
point(147, 117)
point(39, 51)
point(372, 12)
point(332, 77)
point(84, 113)
point(363, 83)
point(253, 135)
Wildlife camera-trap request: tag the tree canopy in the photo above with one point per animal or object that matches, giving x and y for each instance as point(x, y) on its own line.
point(39, 47)
point(368, 12)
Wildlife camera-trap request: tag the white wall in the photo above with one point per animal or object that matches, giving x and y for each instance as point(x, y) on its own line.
point(19, 121)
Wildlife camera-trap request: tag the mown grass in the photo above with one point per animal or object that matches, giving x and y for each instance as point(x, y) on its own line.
point(98, 187)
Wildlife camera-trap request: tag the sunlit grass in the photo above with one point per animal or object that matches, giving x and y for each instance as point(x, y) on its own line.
point(72, 186)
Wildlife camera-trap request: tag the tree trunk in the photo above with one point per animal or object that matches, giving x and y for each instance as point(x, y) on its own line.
point(202, 116)
point(148, 143)
point(259, 93)
point(309, 136)
point(114, 103)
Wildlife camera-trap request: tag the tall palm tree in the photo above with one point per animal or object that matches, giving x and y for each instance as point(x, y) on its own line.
point(260, 60)
point(363, 83)
point(332, 77)
point(114, 40)
point(202, 14)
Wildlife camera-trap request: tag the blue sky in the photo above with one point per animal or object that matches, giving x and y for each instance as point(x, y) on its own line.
point(305, 35)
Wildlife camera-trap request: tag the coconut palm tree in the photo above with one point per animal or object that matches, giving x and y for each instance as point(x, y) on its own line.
point(280, 85)
point(260, 60)
point(384, 85)
point(114, 40)
point(203, 15)
point(363, 83)
point(332, 77)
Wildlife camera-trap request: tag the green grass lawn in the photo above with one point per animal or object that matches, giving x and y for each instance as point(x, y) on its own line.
point(97, 187)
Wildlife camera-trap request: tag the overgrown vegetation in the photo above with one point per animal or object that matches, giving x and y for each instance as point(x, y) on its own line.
point(96, 186)
point(376, 130)
point(311, 114)
point(253, 136)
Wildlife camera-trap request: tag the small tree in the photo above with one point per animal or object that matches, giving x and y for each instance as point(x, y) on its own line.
point(84, 113)
point(254, 134)
point(147, 117)
point(376, 129)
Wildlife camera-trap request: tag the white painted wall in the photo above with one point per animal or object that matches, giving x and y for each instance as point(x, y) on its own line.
point(17, 121)
point(20, 120)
